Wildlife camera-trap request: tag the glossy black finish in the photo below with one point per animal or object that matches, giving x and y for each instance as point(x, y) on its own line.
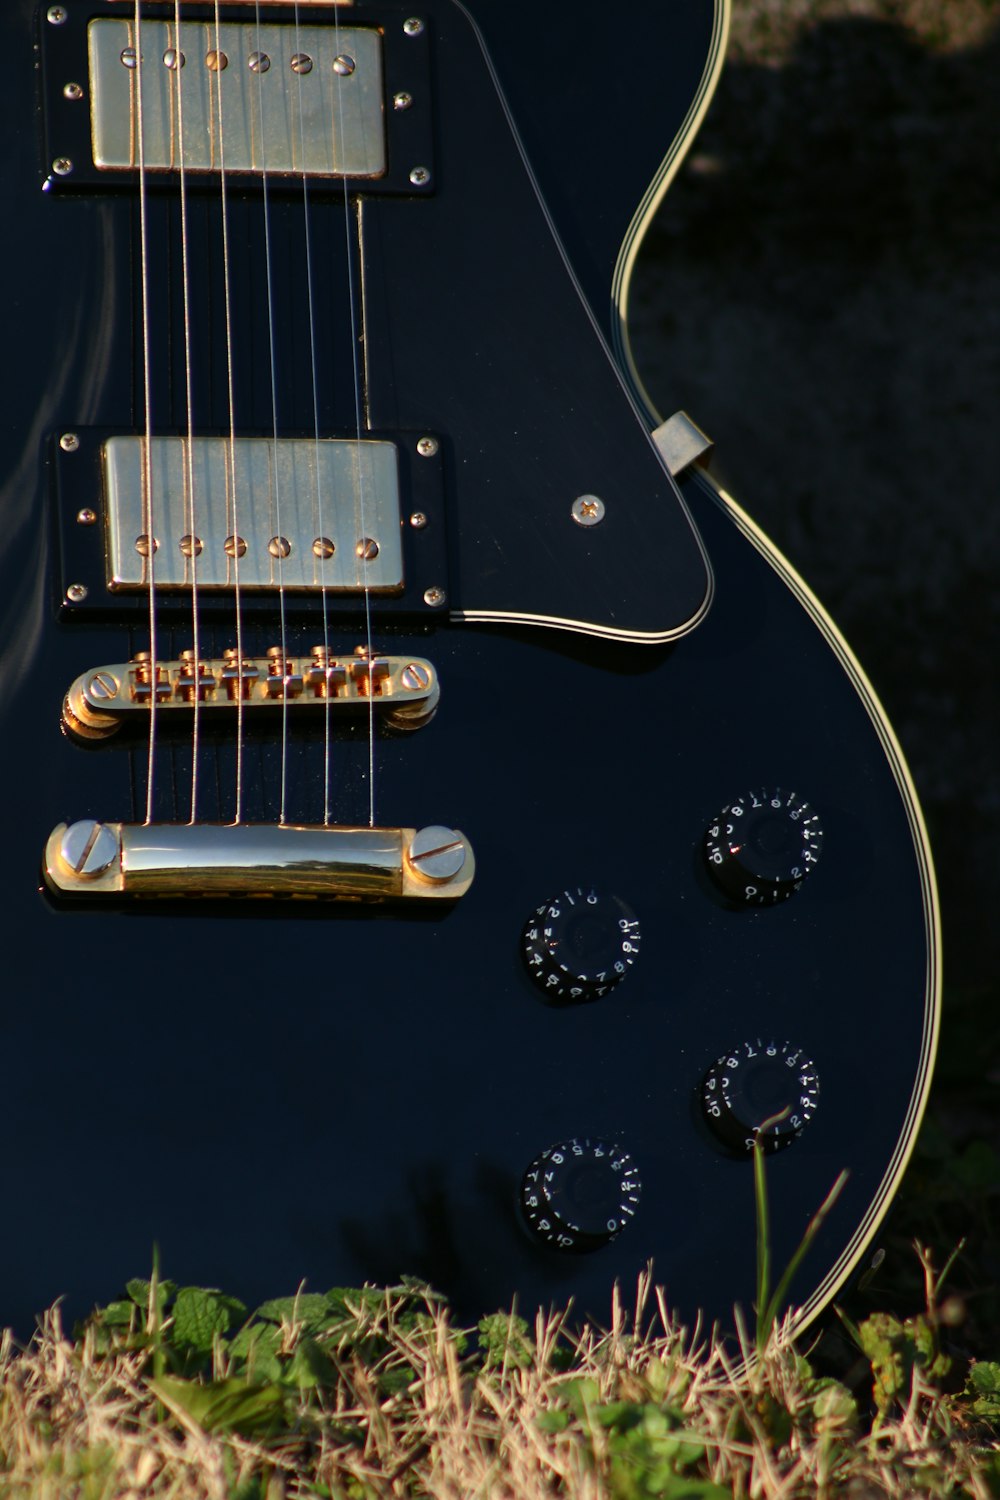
point(762, 1088)
point(350, 1094)
point(579, 1195)
point(580, 944)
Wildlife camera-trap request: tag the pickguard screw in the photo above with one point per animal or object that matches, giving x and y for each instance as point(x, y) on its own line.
point(437, 853)
point(415, 677)
point(62, 166)
point(279, 546)
point(258, 62)
point(103, 686)
point(69, 442)
point(86, 517)
point(72, 91)
point(402, 100)
point(367, 548)
point(413, 26)
point(588, 510)
point(56, 15)
point(418, 520)
point(420, 176)
point(434, 596)
point(76, 593)
point(303, 63)
point(89, 848)
point(343, 65)
point(324, 547)
point(427, 446)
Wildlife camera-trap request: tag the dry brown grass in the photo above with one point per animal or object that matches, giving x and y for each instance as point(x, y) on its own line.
point(552, 1413)
point(766, 31)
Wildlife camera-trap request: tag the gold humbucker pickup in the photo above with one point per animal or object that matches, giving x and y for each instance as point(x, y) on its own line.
point(216, 860)
point(404, 689)
point(237, 97)
point(253, 513)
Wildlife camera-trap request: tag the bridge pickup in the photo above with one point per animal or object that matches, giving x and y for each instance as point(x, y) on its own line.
point(177, 860)
point(403, 689)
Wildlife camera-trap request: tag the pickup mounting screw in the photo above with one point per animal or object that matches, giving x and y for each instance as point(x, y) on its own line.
point(103, 686)
point(415, 677)
point(89, 848)
point(69, 442)
point(72, 91)
point(588, 510)
point(427, 446)
point(402, 100)
point(76, 593)
point(62, 166)
point(343, 65)
point(56, 15)
point(413, 26)
point(420, 176)
point(436, 853)
point(86, 517)
point(434, 596)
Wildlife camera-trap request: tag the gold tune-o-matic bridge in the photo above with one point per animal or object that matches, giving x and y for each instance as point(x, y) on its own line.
point(90, 858)
point(404, 689)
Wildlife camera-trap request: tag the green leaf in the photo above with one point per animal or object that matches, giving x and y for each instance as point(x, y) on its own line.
point(138, 1290)
point(254, 1352)
point(200, 1313)
point(557, 1419)
point(311, 1309)
point(311, 1366)
point(505, 1338)
point(223, 1405)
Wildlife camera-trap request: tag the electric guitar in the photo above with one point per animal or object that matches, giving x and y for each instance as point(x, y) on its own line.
point(443, 832)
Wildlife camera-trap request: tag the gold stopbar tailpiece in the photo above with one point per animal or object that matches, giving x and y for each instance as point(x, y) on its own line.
point(404, 689)
point(89, 858)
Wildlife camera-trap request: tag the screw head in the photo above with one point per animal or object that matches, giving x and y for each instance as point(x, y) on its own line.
point(72, 91)
point(418, 520)
point(191, 546)
point(402, 100)
point(279, 546)
point(415, 677)
point(216, 62)
point(427, 446)
point(62, 166)
point(420, 176)
point(145, 545)
point(302, 63)
point(129, 57)
point(57, 15)
point(343, 65)
point(103, 686)
point(86, 517)
point(413, 26)
point(324, 547)
point(434, 596)
point(76, 593)
point(89, 848)
point(367, 548)
point(588, 510)
point(234, 546)
point(69, 442)
point(436, 853)
point(258, 62)
point(173, 58)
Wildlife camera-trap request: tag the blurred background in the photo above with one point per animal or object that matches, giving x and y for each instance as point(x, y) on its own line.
point(821, 292)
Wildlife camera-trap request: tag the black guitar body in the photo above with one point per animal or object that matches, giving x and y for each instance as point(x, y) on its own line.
point(273, 1090)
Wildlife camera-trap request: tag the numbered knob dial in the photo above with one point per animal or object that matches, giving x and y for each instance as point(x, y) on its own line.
point(761, 1087)
point(579, 1195)
point(762, 846)
point(579, 945)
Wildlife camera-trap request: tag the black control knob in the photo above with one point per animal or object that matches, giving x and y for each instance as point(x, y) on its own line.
point(579, 945)
point(760, 1082)
point(761, 847)
point(579, 1195)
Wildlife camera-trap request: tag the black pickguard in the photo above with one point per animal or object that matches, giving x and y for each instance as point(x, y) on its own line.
point(344, 1093)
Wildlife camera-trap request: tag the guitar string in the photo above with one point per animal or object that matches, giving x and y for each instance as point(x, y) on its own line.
point(176, 67)
point(318, 499)
point(360, 508)
point(275, 475)
point(232, 502)
point(148, 509)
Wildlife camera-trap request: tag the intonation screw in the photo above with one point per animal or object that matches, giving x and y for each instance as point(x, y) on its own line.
point(89, 848)
point(72, 91)
point(76, 593)
point(62, 166)
point(402, 100)
point(56, 15)
point(427, 446)
point(69, 442)
point(367, 548)
point(343, 65)
point(86, 517)
point(418, 520)
point(587, 510)
point(436, 853)
point(103, 686)
point(413, 26)
point(303, 63)
point(434, 596)
point(324, 547)
point(420, 176)
point(258, 62)
point(415, 677)
point(279, 546)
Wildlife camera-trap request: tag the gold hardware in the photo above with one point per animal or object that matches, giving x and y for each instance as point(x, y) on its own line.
point(264, 860)
point(405, 689)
